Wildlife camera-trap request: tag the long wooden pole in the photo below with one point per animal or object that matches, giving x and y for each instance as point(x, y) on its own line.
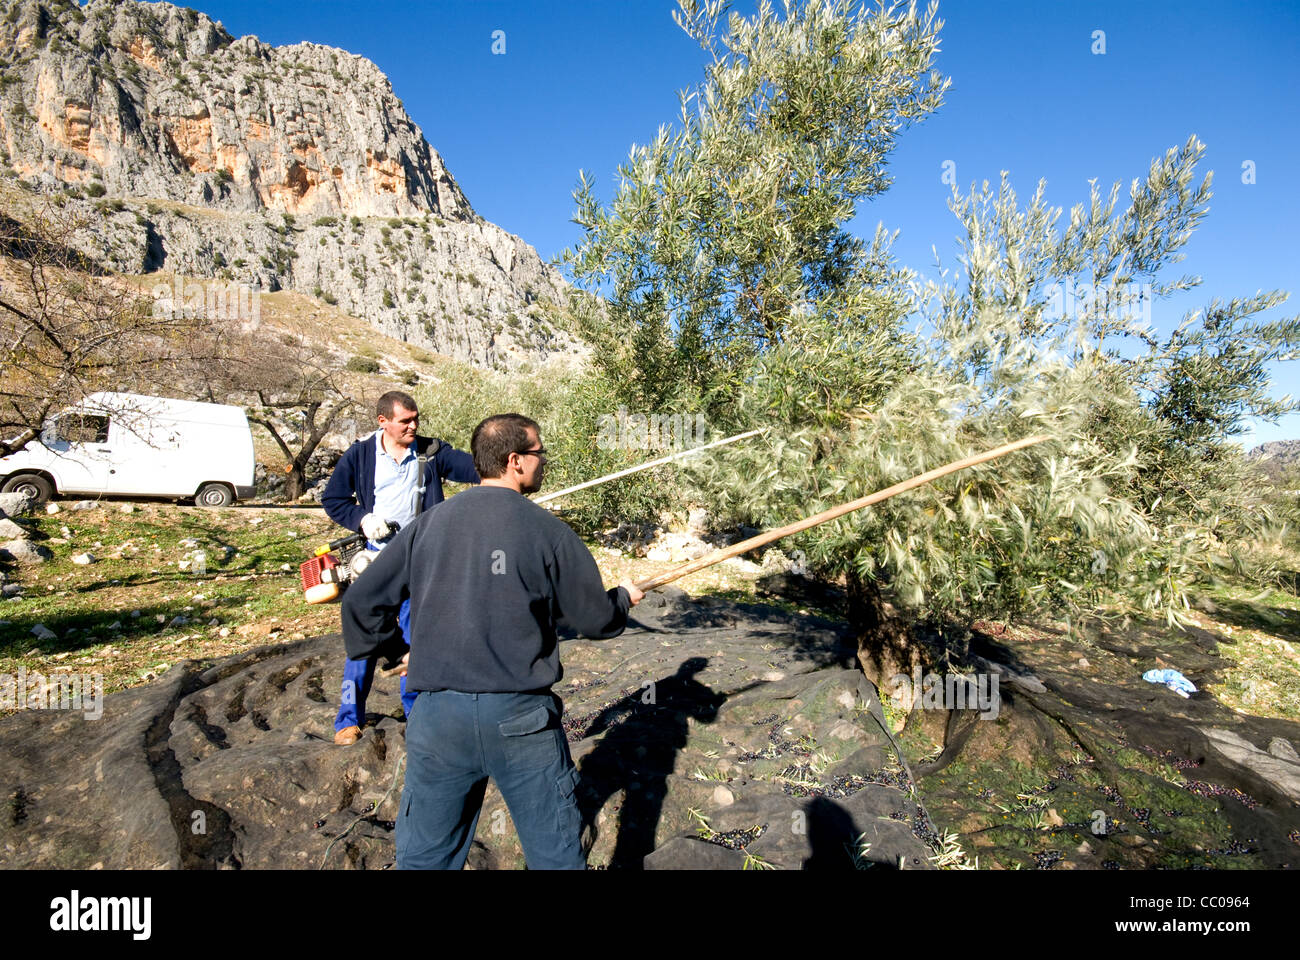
point(623, 473)
point(646, 466)
point(726, 553)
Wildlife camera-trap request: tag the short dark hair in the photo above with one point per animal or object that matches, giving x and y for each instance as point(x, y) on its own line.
point(394, 398)
point(496, 438)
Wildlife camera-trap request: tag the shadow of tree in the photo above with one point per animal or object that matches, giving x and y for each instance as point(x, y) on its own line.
point(1279, 621)
point(93, 628)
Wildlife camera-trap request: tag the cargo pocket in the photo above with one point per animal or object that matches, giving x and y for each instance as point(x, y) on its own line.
point(568, 818)
point(529, 740)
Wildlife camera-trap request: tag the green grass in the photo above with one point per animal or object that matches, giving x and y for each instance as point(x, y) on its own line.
point(90, 608)
point(1263, 630)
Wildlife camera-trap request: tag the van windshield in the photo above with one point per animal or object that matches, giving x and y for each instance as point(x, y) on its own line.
point(81, 428)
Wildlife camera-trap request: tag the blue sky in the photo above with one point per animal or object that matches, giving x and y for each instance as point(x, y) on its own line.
point(583, 80)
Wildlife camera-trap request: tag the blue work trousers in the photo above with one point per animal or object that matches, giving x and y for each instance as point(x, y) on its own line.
point(454, 743)
point(357, 677)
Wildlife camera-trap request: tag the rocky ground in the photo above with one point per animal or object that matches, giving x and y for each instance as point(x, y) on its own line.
point(698, 734)
point(732, 729)
point(711, 735)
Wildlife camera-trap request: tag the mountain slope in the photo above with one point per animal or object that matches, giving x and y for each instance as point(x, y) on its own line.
point(1277, 457)
point(289, 167)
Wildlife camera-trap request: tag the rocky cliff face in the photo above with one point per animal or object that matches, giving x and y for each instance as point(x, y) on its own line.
point(292, 167)
point(1277, 457)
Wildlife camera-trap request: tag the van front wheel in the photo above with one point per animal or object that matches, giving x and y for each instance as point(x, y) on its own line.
point(214, 495)
point(33, 484)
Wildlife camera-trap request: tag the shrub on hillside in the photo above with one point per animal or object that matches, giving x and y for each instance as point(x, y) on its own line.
point(363, 365)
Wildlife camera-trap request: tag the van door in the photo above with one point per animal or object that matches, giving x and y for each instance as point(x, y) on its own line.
point(79, 442)
point(144, 456)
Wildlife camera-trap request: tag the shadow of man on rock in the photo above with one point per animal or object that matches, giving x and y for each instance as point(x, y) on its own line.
point(643, 733)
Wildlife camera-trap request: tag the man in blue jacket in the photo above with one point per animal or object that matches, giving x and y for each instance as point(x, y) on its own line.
point(487, 576)
point(382, 483)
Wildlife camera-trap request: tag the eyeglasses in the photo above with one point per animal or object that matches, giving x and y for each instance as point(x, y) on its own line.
point(539, 452)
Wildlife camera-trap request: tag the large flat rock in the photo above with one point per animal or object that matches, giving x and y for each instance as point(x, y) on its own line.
point(709, 735)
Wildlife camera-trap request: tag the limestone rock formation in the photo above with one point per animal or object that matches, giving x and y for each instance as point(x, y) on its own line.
point(1277, 457)
point(278, 167)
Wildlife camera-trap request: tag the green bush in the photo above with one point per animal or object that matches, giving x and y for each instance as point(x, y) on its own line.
point(363, 365)
point(569, 412)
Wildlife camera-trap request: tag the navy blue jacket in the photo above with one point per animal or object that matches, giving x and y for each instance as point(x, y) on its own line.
point(350, 494)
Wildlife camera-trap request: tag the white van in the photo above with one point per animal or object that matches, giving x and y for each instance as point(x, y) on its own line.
point(125, 444)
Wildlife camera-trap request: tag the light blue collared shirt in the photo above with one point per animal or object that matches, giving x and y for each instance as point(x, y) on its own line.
point(396, 485)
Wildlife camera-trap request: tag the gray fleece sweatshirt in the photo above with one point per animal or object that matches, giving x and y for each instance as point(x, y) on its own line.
point(488, 573)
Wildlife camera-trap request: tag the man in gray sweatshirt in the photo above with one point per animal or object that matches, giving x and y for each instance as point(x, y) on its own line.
point(488, 575)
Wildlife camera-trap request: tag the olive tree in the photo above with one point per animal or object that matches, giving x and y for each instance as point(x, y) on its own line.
point(289, 387)
point(728, 229)
point(731, 277)
point(1139, 494)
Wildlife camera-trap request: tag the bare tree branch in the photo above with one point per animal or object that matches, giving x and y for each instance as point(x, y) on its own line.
point(71, 329)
